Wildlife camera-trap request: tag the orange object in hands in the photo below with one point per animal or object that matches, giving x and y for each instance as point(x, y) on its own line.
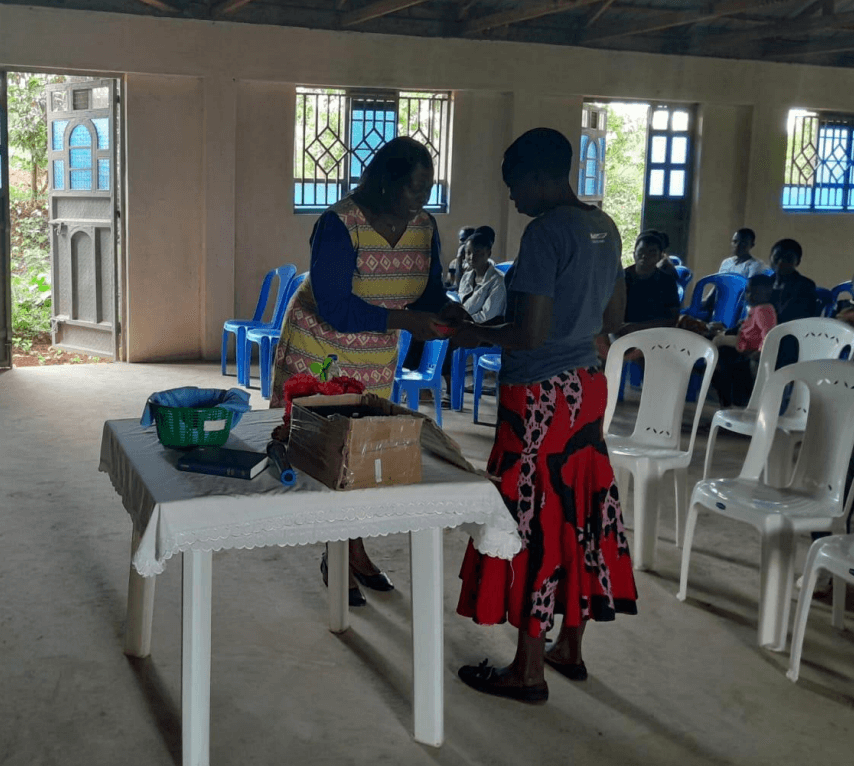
point(446, 330)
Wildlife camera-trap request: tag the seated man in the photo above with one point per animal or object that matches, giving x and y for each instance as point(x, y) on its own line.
point(741, 261)
point(793, 294)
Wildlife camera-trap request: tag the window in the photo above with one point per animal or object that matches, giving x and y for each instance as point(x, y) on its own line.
point(338, 132)
point(591, 155)
point(819, 164)
point(668, 152)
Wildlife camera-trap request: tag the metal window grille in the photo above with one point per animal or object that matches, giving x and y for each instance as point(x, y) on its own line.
point(819, 162)
point(339, 131)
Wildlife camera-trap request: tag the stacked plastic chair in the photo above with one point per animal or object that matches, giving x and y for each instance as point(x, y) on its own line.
point(492, 363)
point(428, 376)
point(239, 327)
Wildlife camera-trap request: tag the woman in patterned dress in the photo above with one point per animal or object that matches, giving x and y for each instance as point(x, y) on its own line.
point(375, 270)
point(549, 457)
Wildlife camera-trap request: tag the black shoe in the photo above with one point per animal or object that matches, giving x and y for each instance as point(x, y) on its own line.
point(355, 597)
point(380, 581)
point(572, 671)
point(483, 678)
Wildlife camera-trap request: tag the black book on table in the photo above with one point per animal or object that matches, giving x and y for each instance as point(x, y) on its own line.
point(222, 461)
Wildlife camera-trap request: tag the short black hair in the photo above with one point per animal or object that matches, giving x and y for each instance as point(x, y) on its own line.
point(761, 280)
point(389, 170)
point(541, 149)
point(653, 237)
point(466, 232)
point(749, 233)
point(789, 246)
point(487, 231)
point(480, 239)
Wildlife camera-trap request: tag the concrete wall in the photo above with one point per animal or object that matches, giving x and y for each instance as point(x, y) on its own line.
point(210, 136)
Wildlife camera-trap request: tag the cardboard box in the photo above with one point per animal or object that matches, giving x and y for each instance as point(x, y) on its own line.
point(381, 446)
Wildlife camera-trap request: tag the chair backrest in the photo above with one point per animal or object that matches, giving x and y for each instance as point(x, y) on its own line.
point(824, 302)
point(828, 438)
point(263, 296)
point(403, 341)
point(817, 337)
point(841, 289)
point(292, 288)
point(669, 357)
point(675, 260)
point(503, 266)
point(286, 277)
point(683, 275)
point(433, 358)
point(729, 298)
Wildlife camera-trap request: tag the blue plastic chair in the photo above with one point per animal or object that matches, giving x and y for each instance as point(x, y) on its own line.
point(238, 327)
point(503, 266)
point(841, 289)
point(824, 302)
point(267, 338)
point(428, 375)
point(491, 362)
point(729, 299)
point(675, 260)
point(459, 363)
point(684, 275)
point(403, 341)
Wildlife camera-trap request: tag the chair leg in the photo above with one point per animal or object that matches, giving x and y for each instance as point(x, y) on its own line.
point(776, 578)
point(458, 379)
point(710, 448)
point(802, 613)
point(437, 401)
point(264, 362)
point(646, 517)
point(242, 359)
point(690, 527)
point(224, 352)
point(838, 610)
point(478, 389)
point(680, 485)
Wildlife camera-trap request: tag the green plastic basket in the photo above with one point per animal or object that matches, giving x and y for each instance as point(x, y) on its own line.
point(192, 426)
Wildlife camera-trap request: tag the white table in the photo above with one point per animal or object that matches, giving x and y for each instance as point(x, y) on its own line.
point(194, 514)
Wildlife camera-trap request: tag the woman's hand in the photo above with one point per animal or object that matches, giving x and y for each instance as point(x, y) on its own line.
point(453, 314)
point(423, 325)
point(467, 336)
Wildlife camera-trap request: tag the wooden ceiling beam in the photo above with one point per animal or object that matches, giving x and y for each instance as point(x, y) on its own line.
point(160, 6)
point(376, 10)
point(230, 7)
point(671, 19)
point(524, 11)
point(825, 47)
point(598, 13)
point(795, 27)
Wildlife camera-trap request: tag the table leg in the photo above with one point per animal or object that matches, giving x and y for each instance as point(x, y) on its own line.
point(196, 659)
point(140, 609)
point(427, 635)
point(339, 565)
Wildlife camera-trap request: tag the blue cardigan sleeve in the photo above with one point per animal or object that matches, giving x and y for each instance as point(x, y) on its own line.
point(434, 296)
point(333, 261)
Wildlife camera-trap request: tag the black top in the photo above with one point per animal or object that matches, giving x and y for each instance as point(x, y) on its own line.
point(794, 297)
point(652, 298)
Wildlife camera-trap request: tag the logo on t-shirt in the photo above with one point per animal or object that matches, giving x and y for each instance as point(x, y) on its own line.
point(598, 237)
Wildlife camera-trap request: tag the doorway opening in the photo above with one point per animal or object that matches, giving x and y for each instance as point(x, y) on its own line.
point(63, 199)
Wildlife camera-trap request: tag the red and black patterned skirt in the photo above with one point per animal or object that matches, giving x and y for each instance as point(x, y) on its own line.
point(557, 480)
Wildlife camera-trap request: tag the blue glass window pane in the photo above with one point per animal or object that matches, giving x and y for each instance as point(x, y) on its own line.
point(590, 186)
point(677, 183)
point(104, 175)
point(656, 183)
point(81, 179)
point(370, 128)
point(102, 126)
point(59, 174)
point(583, 153)
point(80, 136)
point(678, 150)
point(658, 150)
point(79, 158)
point(57, 141)
point(602, 168)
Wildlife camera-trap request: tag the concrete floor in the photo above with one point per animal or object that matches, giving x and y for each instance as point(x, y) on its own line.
point(681, 683)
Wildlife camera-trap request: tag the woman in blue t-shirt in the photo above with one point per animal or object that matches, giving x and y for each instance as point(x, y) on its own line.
point(549, 458)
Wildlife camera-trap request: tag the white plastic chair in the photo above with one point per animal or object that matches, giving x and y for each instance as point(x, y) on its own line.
point(811, 502)
point(818, 338)
point(835, 555)
point(655, 445)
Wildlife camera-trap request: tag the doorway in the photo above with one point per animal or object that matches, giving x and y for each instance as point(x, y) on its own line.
point(62, 209)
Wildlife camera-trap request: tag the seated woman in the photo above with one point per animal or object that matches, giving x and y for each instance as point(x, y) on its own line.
point(652, 295)
point(482, 290)
point(457, 267)
point(733, 377)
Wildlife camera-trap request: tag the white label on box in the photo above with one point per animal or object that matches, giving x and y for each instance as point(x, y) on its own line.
point(378, 470)
point(215, 425)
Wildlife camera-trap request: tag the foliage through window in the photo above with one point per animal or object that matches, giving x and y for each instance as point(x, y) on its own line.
point(338, 132)
point(819, 171)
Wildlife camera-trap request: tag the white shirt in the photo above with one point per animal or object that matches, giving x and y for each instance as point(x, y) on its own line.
point(486, 300)
point(749, 268)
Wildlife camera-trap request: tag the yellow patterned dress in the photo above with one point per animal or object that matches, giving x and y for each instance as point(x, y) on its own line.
point(386, 276)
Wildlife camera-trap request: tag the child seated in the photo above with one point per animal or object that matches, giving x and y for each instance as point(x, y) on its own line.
point(733, 376)
point(652, 295)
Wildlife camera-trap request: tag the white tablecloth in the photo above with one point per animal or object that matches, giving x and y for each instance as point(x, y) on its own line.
point(176, 511)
